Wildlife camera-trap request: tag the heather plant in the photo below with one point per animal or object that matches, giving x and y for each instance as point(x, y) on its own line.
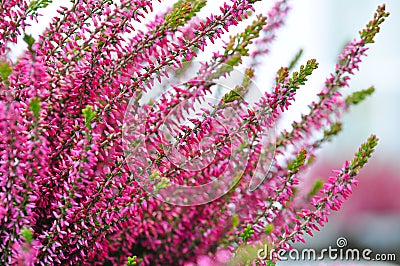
point(119, 147)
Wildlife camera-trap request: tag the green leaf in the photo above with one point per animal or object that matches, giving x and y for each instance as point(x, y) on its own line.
point(333, 130)
point(247, 233)
point(27, 234)
point(164, 183)
point(359, 96)
point(270, 263)
point(364, 153)
point(295, 165)
point(29, 40)
point(282, 74)
point(35, 107)
point(5, 70)
point(231, 96)
point(269, 228)
point(35, 5)
point(318, 184)
point(132, 261)
point(296, 59)
point(89, 115)
point(234, 60)
point(154, 175)
point(183, 11)
point(235, 220)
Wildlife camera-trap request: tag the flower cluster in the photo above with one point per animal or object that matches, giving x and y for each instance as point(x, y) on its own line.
point(88, 172)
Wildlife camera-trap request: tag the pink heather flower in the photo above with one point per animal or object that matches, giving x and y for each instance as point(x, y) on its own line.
point(65, 173)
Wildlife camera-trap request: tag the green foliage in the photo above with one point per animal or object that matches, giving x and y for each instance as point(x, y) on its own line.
point(239, 91)
point(29, 40)
point(247, 233)
point(295, 60)
point(295, 165)
point(154, 175)
point(35, 107)
point(35, 5)
point(299, 78)
point(237, 47)
point(373, 27)
point(196, 6)
point(89, 115)
point(269, 228)
point(235, 220)
point(234, 60)
point(133, 261)
point(333, 130)
point(249, 74)
point(27, 234)
point(163, 183)
point(182, 12)
point(359, 96)
point(5, 71)
point(318, 184)
point(231, 96)
point(282, 75)
point(159, 181)
point(363, 154)
point(240, 42)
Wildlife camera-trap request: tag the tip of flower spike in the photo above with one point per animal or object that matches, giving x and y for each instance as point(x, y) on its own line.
point(373, 27)
point(364, 153)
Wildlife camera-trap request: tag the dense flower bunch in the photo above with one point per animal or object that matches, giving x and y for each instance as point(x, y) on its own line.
point(85, 164)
